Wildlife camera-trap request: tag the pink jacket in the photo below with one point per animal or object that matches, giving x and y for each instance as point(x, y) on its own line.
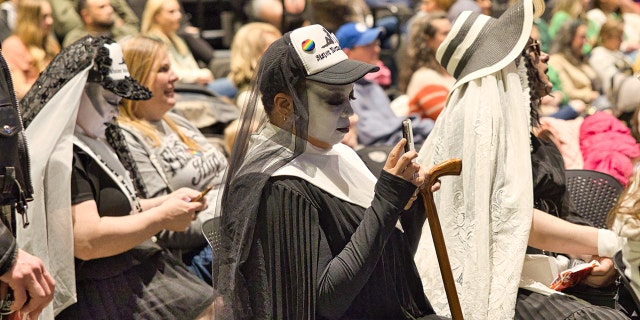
point(607, 146)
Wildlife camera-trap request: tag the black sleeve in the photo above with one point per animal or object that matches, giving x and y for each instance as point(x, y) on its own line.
point(81, 187)
point(339, 278)
point(412, 223)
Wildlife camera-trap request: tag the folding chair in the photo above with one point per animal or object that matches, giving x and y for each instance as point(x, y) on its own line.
point(594, 193)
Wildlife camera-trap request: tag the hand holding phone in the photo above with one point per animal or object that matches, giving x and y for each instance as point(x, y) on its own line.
point(202, 194)
point(407, 133)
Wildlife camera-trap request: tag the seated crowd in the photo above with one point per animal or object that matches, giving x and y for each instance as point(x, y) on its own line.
point(137, 149)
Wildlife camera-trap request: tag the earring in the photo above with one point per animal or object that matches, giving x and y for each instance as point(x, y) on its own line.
point(285, 118)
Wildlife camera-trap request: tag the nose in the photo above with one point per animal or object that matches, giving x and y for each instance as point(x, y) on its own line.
point(348, 111)
point(544, 57)
point(173, 77)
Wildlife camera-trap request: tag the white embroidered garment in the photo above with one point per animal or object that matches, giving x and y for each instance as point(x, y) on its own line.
point(485, 212)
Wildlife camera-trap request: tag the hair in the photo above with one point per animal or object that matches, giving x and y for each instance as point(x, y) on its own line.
point(563, 39)
point(142, 55)
point(444, 5)
point(248, 45)
point(533, 79)
point(598, 4)
point(629, 201)
point(417, 53)
point(574, 8)
point(43, 47)
point(331, 14)
point(280, 69)
point(81, 5)
point(149, 27)
point(610, 28)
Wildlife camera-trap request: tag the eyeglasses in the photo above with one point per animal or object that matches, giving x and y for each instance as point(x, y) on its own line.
point(535, 46)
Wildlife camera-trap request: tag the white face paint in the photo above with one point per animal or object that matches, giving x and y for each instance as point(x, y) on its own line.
point(329, 111)
point(97, 108)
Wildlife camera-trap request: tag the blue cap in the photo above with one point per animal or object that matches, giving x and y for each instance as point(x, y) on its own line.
point(354, 34)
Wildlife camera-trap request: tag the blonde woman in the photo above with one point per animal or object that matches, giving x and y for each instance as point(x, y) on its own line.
point(247, 48)
point(248, 45)
point(161, 19)
point(169, 151)
point(31, 46)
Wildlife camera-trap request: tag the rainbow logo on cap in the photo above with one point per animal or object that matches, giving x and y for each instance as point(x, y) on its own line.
point(308, 45)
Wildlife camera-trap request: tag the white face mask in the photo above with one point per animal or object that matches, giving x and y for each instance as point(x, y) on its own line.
point(97, 108)
point(329, 111)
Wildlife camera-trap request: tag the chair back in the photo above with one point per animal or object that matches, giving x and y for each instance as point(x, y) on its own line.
point(594, 193)
point(627, 298)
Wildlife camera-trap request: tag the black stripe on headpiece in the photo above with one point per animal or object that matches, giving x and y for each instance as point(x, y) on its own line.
point(457, 40)
point(473, 47)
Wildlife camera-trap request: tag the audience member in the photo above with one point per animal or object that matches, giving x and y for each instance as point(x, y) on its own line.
point(485, 7)
point(285, 18)
point(119, 271)
point(377, 125)
point(569, 10)
point(161, 19)
point(333, 13)
point(603, 10)
point(459, 6)
point(422, 78)
point(492, 216)
point(427, 6)
point(576, 77)
point(556, 104)
point(614, 70)
point(169, 151)
point(67, 18)
point(324, 243)
point(8, 17)
point(26, 285)
point(625, 222)
point(31, 46)
point(98, 19)
point(248, 44)
point(201, 49)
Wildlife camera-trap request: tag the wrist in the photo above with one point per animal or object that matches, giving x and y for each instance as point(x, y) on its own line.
point(607, 243)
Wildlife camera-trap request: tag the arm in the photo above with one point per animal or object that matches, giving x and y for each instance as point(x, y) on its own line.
point(97, 237)
point(554, 234)
point(346, 273)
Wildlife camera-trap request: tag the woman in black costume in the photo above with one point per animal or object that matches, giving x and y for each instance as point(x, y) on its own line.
point(307, 231)
point(92, 207)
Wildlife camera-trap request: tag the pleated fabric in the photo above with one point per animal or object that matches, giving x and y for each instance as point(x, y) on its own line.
point(531, 305)
point(162, 288)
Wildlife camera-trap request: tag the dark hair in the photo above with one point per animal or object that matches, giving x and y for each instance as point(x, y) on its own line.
point(280, 67)
point(416, 53)
point(563, 39)
point(533, 79)
point(80, 5)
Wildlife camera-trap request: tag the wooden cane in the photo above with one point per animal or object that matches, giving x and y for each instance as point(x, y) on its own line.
point(447, 167)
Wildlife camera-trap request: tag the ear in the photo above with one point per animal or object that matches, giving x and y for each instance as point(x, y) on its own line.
point(283, 104)
point(84, 15)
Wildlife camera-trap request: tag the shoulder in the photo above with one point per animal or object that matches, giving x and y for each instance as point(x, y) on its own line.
point(74, 35)
point(182, 121)
point(13, 44)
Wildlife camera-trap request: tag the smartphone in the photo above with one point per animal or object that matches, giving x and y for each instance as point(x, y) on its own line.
point(202, 194)
point(407, 133)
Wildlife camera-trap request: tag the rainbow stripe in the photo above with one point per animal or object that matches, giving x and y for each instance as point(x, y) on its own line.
point(308, 45)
